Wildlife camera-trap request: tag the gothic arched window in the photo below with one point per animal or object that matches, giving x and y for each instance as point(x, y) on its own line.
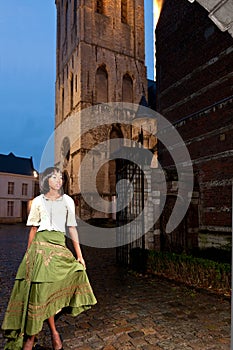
point(62, 103)
point(65, 150)
point(99, 6)
point(67, 18)
point(127, 89)
point(115, 146)
point(124, 11)
point(101, 85)
point(71, 91)
point(75, 13)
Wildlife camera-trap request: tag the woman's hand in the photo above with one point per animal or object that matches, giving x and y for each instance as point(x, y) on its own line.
point(31, 236)
point(82, 261)
point(74, 236)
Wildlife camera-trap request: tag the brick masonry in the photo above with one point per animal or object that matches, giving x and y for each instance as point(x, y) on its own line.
point(195, 76)
point(100, 58)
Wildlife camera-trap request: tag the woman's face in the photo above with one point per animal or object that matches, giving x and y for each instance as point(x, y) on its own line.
point(55, 181)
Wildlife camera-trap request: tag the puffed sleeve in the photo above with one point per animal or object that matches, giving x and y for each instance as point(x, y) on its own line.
point(71, 220)
point(34, 215)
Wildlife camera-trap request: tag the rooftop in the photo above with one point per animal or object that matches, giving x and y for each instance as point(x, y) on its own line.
point(16, 165)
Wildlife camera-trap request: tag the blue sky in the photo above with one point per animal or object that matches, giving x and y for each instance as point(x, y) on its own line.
point(27, 74)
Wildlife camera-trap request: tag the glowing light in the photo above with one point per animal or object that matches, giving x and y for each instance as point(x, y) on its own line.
point(157, 8)
point(158, 4)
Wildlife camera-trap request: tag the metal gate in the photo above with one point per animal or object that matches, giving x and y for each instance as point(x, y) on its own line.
point(130, 200)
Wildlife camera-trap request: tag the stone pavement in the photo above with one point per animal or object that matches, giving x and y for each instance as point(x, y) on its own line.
point(133, 312)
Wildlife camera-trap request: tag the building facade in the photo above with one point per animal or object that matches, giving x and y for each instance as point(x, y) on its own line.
point(18, 186)
point(100, 59)
point(194, 92)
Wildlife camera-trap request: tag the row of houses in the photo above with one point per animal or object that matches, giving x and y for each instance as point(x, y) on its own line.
point(18, 186)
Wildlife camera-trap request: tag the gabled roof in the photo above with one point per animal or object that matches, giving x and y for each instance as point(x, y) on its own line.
point(16, 165)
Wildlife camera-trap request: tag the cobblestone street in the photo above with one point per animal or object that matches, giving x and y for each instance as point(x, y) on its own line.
point(133, 312)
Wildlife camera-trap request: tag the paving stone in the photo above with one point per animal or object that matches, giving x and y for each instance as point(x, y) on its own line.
point(152, 339)
point(123, 329)
point(136, 334)
point(138, 342)
point(83, 325)
point(123, 338)
point(147, 331)
point(127, 346)
point(121, 322)
point(107, 336)
point(97, 345)
point(151, 347)
point(170, 316)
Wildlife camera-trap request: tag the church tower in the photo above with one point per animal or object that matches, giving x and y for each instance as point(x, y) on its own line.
point(100, 58)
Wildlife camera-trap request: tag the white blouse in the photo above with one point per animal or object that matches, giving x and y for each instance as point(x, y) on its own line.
point(52, 215)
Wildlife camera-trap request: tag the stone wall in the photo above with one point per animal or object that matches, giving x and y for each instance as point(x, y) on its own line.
point(96, 51)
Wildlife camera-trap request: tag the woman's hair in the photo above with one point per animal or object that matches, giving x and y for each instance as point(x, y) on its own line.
point(44, 179)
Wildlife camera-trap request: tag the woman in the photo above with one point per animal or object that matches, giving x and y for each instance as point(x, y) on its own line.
point(49, 276)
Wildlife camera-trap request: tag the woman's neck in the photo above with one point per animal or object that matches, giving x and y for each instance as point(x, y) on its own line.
point(53, 194)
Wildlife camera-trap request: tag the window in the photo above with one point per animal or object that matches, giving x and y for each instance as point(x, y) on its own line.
point(24, 189)
point(101, 85)
point(99, 6)
point(76, 83)
point(75, 13)
point(11, 187)
point(116, 134)
point(67, 19)
point(36, 189)
point(127, 89)
point(10, 208)
point(65, 151)
point(62, 103)
point(71, 92)
point(124, 11)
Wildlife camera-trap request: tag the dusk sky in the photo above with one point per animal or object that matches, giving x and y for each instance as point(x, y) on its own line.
point(27, 74)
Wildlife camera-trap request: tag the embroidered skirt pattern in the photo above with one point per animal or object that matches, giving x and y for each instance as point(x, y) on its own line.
point(49, 278)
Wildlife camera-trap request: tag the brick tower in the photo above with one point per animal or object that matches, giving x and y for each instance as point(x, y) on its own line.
point(100, 58)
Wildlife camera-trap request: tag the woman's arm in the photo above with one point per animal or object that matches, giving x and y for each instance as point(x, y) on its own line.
point(74, 236)
point(32, 234)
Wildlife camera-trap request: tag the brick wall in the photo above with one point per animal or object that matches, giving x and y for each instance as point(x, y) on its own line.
point(194, 92)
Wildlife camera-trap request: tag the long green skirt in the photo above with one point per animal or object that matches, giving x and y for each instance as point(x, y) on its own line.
point(49, 278)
